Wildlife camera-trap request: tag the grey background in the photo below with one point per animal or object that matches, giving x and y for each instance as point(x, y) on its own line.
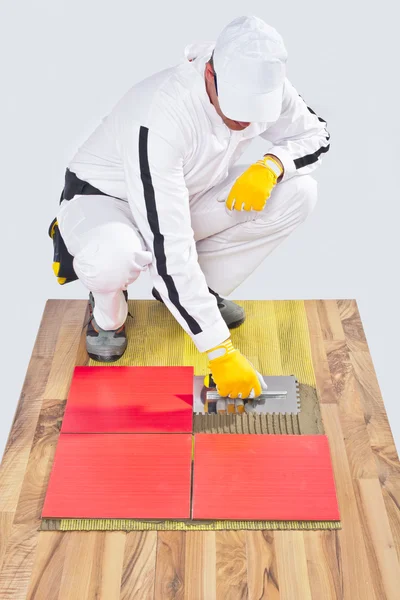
point(64, 64)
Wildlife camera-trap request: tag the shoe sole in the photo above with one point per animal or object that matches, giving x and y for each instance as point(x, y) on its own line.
point(100, 358)
point(236, 323)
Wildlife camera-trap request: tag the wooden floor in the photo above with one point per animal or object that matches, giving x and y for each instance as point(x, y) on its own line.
point(360, 562)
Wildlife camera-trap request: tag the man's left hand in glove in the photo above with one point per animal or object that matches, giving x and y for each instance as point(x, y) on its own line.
point(253, 188)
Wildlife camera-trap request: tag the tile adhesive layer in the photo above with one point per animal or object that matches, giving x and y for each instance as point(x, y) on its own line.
point(263, 477)
point(307, 422)
point(130, 400)
point(143, 476)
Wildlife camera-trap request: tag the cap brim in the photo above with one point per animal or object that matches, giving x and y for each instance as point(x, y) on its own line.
point(256, 108)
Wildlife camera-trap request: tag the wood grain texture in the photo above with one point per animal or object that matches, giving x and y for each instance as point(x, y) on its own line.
point(292, 565)
point(139, 566)
point(6, 522)
point(170, 566)
point(324, 564)
point(92, 567)
point(359, 562)
point(200, 565)
point(20, 440)
point(351, 539)
point(350, 410)
point(381, 543)
point(49, 564)
point(28, 456)
point(262, 571)
point(66, 351)
point(318, 352)
point(231, 559)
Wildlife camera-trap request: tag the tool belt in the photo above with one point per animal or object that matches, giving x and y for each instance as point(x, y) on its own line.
point(62, 260)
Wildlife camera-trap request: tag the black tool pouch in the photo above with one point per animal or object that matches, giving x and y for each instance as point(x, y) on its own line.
point(62, 259)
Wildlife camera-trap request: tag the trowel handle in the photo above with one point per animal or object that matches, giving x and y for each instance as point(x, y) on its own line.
point(209, 381)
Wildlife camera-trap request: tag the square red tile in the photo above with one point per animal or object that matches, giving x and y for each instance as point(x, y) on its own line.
point(263, 477)
point(130, 400)
point(141, 476)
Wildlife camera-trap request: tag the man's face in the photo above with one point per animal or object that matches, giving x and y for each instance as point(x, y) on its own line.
point(212, 94)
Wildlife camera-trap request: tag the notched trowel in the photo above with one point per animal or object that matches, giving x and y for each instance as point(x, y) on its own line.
point(282, 396)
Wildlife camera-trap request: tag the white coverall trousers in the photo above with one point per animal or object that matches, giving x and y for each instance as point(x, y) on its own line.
point(109, 252)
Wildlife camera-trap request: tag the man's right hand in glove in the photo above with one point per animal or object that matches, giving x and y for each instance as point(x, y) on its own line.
point(233, 374)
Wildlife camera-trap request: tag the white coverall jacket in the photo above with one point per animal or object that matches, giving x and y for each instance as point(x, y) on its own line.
point(163, 143)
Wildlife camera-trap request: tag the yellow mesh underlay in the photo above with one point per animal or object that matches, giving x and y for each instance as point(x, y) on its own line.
point(136, 525)
point(274, 338)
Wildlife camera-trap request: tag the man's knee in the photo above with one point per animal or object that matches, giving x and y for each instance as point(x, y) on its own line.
point(307, 195)
point(111, 260)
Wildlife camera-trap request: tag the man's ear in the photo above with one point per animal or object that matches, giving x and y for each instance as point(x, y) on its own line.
point(209, 72)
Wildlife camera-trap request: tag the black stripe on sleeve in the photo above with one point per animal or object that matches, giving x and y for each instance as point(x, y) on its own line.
point(312, 111)
point(303, 161)
point(310, 158)
point(158, 244)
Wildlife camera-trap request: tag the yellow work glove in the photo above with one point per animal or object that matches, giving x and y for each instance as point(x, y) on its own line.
point(253, 188)
point(233, 374)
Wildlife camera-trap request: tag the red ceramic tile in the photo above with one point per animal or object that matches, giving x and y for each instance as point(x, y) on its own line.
point(143, 476)
point(263, 477)
point(130, 400)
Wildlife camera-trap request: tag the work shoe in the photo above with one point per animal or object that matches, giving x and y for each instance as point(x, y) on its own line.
point(103, 345)
point(232, 313)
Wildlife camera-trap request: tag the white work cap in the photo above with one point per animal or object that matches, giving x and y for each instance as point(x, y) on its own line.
point(249, 62)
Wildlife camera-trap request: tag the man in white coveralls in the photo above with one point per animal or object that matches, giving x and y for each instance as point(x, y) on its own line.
point(154, 187)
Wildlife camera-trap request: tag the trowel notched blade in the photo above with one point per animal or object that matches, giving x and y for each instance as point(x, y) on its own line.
point(286, 398)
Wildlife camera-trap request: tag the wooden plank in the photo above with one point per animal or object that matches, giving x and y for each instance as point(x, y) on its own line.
point(18, 541)
point(138, 573)
point(231, 573)
point(292, 565)
point(82, 357)
point(370, 394)
point(92, 566)
point(383, 551)
point(352, 326)
point(324, 564)
point(320, 361)
point(49, 564)
point(351, 539)
point(170, 566)
point(329, 320)
point(27, 515)
point(389, 478)
point(17, 562)
point(351, 412)
point(200, 566)
point(43, 415)
point(41, 458)
point(66, 351)
point(20, 440)
point(105, 580)
point(262, 571)
point(6, 521)
point(378, 426)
